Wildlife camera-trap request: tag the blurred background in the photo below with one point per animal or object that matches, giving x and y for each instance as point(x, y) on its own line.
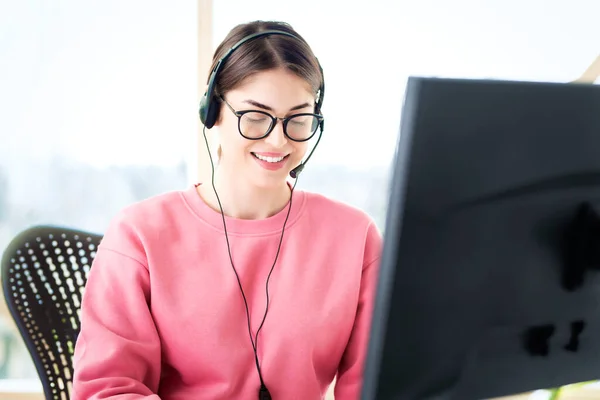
point(98, 99)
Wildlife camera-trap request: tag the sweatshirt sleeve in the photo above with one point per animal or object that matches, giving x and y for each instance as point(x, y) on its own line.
point(350, 372)
point(117, 354)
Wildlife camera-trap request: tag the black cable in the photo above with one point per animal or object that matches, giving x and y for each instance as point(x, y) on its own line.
point(263, 392)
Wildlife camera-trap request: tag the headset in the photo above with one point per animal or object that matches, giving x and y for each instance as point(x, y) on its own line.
point(209, 113)
point(210, 103)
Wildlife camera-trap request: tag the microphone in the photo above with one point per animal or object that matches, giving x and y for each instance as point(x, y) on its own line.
point(296, 171)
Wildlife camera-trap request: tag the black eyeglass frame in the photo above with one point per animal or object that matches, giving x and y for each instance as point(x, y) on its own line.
point(274, 120)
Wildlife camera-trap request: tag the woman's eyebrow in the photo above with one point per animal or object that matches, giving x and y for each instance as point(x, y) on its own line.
point(268, 108)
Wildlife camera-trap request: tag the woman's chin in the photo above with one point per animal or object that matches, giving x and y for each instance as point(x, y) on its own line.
point(270, 182)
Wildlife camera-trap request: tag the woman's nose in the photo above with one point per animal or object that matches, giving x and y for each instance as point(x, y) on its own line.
point(277, 138)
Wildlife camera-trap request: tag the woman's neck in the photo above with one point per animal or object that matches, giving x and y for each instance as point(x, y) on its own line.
point(243, 201)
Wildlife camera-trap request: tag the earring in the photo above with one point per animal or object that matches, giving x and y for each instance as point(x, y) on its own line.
point(215, 147)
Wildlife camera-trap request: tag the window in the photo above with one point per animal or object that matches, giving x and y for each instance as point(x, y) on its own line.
point(100, 111)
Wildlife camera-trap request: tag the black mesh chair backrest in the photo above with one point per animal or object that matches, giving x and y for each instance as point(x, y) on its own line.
point(44, 272)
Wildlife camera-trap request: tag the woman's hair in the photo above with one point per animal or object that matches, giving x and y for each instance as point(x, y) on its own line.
point(265, 53)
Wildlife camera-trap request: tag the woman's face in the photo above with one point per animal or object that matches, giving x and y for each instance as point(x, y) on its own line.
point(266, 162)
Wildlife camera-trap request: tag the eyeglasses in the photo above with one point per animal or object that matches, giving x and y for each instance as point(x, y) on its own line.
point(255, 125)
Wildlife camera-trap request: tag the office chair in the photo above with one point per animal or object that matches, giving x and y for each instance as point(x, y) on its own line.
point(44, 272)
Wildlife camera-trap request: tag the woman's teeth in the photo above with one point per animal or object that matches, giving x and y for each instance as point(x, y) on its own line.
point(268, 159)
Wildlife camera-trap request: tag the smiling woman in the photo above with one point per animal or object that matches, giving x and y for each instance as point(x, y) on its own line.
point(240, 258)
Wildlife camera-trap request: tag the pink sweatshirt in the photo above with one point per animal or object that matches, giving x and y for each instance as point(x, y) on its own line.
point(163, 318)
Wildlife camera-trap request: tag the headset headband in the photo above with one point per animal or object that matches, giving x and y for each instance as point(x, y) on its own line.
point(209, 106)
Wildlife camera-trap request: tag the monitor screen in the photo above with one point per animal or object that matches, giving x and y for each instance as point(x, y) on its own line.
point(490, 274)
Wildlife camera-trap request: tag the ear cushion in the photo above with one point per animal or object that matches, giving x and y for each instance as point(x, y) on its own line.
point(203, 109)
point(209, 111)
point(212, 113)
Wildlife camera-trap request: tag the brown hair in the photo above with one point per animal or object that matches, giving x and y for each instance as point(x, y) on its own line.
point(265, 53)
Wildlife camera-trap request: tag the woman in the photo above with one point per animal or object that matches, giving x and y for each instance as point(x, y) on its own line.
point(242, 287)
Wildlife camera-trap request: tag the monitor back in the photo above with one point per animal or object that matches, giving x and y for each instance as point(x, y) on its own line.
point(488, 283)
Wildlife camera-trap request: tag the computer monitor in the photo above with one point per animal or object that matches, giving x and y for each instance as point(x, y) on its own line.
point(487, 284)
